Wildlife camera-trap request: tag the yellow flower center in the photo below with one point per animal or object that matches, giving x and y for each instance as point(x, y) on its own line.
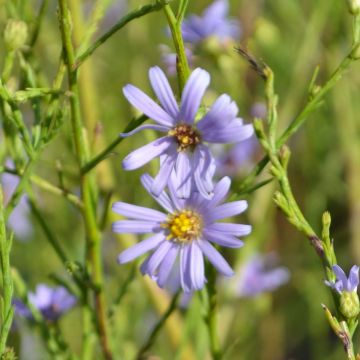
point(186, 136)
point(183, 226)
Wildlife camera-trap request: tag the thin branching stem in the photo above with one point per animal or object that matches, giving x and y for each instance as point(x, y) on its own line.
point(211, 318)
point(143, 10)
point(152, 337)
point(182, 66)
point(6, 309)
point(88, 191)
point(313, 104)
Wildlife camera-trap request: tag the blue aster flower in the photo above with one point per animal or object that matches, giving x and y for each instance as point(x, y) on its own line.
point(51, 302)
point(184, 234)
point(236, 159)
point(213, 22)
point(184, 145)
point(260, 275)
point(344, 283)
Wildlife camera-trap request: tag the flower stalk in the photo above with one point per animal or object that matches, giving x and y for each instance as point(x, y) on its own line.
point(182, 66)
point(316, 96)
point(93, 253)
point(143, 10)
point(159, 325)
point(347, 302)
point(211, 318)
point(7, 311)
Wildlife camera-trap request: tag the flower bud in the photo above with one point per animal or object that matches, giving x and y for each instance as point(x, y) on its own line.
point(284, 156)
point(349, 304)
point(15, 34)
point(354, 6)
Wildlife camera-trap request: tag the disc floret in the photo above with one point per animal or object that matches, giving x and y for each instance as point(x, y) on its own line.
point(183, 226)
point(186, 136)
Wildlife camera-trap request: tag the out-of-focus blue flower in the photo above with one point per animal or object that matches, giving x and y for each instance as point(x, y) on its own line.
point(237, 158)
point(113, 13)
point(169, 59)
point(18, 221)
point(185, 233)
point(183, 147)
point(258, 110)
point(51, 302)
point(344, 283)
point(259, 275)
point(214, 22)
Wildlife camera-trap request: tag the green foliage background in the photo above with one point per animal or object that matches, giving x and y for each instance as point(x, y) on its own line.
point(292, 37)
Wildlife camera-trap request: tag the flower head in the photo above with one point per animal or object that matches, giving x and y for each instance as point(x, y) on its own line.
point(213, 22)
point(259, 275)
point(51, 302)
point(183, 148)
point(185, 232)
point(344, 283)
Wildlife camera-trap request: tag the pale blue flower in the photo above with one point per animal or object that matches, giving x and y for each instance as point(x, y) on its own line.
point(237, 158)
point(183, 234)
point(183, 146)
point(259, 275)
point(259, 110)
point(214, 22)
point(344, 283)
point(51, 302)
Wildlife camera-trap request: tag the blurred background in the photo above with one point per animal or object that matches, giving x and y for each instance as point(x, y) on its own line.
point(292, 37)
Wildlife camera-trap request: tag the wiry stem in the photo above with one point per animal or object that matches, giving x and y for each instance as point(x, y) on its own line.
point(87, 190)
point(143, 10)
point(158, 327)
point(182, 65)
point(212, 316)
point(6, 309)
point(106, 152)
point(313, 103)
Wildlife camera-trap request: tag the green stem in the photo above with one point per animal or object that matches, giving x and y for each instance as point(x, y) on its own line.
point(55, 244)
point(47, 128)
point(288, 204)
point(38, 23)
point(314, 102)
point(16, 196)
point(52, 240)
point(310, 107)
point(356, 29)
point(123, 290)
point(212, 316)
point(13, 114)
point(9, 62)
point(182, 65)
point(105, 153)
point(143, 10)
point(88, 89)
point(45, 185)
point(158, 327)
point(7, 311)
point(182, 10)
point(87, 189)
